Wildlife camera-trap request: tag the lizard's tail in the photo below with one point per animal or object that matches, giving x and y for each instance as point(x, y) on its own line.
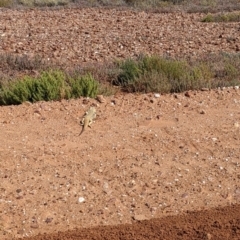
point(81, 132)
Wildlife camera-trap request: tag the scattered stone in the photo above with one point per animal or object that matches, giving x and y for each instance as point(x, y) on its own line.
point(204, 89)
point(139, 217)
point(37, 112)
point(187, 94)
point(100, 98)
point(236, 125)
point(184, 195)
point(202, 112)
point(34, 223)
point(81, 199)
point(113, 102)
point(209, 236)
point(27, 103)
point(85, 101)
point(237, 191)
point(236, 87)
point(48, 220)
point(157, 95)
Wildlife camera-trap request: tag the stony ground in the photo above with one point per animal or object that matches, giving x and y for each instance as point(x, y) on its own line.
point(147, 157)
point(74, 36)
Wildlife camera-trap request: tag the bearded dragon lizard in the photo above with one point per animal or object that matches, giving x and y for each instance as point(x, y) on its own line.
point(88, 118)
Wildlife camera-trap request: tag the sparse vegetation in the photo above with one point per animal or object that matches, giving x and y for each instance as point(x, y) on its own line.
point(6, 3)
point(43, 3)
point(151, 74)
point(50, 85)
point(144, 74)
point(23, 62)
point(85, 86)
point(150, 5)
point(223, 17)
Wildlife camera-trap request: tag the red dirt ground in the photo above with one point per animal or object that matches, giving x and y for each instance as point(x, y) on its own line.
point(146, 161)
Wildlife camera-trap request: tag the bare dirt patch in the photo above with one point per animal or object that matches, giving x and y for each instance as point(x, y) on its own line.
point(145, 157)
point(220, 223)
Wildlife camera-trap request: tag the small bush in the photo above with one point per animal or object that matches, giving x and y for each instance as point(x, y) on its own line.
point(51, 85)
point(43, 3)
point(151, 74)
point(24, 62)
point(130, 72)
point(85, 86)
point(6, 3)
point(227, 17)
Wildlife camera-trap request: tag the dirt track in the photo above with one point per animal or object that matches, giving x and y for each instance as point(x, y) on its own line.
point(146, 156)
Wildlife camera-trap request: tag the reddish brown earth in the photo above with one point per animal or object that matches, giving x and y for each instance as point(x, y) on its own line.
point(73, 36)
point(146, 161)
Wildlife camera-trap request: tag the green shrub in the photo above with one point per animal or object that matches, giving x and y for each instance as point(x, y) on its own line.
point(151, 4)
point(6, 3)
point(151, 74)
point(85, 86)
point(129, 72)
point(49, 86)
point(43, 3)
point(16, 93)
point(223, 17)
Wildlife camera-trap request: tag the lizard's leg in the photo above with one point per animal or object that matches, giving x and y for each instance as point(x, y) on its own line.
point(89, 124)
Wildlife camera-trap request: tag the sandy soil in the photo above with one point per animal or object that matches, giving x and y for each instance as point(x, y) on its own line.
point(147, 159)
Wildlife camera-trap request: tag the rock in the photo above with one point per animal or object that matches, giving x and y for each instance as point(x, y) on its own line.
point(85, 101)
point(81, 199)
point(157, 95)
point(204, 89)
point(48, 220)
point(209, 236)
point(187, 94)
point(27, 103)
point(113, 102)
point(236, 125)
point(139, 217)
point(34, 223)
point(100, 98)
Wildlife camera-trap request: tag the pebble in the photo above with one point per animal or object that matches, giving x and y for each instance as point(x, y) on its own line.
point(27, 103)
point(187, 94)
point(236, 124)
point(139, 217)
point(81, 199)
point(100, 98)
